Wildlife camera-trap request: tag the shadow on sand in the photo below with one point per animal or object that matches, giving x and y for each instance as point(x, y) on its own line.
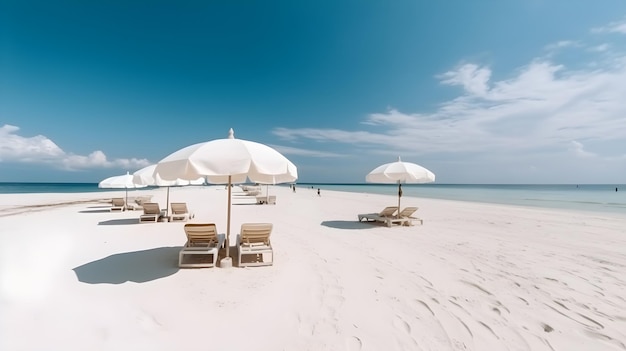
point(348, 225)
point(94, 211)
point(120, 221)
point(137, 266)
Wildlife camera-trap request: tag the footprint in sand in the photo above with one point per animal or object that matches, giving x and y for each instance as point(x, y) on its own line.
point(148, 322)
point(401, 325)
point(421, 303)
point(353, 343)
point(305, 327)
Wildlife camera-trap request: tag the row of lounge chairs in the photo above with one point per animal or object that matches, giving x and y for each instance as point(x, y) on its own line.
point(253, 243)
point(118, 204)
point(203, 241)
point(151, 210)
point(153, 213)
point(203, 244)
point(388, 216)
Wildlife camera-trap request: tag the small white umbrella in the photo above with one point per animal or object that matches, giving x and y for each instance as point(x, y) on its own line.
point(147, 177)
point(120, 182)
point(400, 172)
point(228, 161)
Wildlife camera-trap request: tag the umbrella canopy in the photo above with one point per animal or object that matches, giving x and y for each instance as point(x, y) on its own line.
point(400, 172)
point(147, 177)
point(120, 182)
point(228, 161)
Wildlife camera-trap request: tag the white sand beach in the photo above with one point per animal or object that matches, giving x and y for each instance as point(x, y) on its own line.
point(474, 276)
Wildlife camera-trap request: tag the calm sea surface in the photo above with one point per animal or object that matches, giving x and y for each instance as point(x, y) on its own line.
point(587, 197)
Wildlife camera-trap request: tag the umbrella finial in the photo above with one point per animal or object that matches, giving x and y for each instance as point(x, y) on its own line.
point(231, 134)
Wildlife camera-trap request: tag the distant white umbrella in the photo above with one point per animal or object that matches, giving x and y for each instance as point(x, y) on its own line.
point(147, 177)
point(228, 161)
point(120, 182)
point(400, 172)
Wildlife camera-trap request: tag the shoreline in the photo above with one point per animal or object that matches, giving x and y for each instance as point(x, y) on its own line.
point(17, 201)
point(475, 276)
point(594, 198)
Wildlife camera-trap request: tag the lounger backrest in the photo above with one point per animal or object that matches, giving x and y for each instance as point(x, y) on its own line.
point(256, 233)
point(408, 211)
point(179, 207)
point(388, 211)
point(200, 233)
point(117, 202)
point(142, 200)
point(151, 208)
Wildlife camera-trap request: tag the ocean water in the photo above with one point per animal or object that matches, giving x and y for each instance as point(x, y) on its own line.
point(586, 197)
point(29, 188)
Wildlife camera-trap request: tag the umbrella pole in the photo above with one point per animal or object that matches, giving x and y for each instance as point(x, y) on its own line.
point(399, 196)
point(126, 199)
point(227, 262)
point(167, 203)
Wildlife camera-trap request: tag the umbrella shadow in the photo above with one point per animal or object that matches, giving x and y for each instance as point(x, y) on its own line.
point(124, 221)
point(94, 211)
point(137, 266)
point(348, 225)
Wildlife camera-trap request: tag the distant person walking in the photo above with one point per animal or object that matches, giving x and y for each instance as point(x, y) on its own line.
point(294, 188)
point(318, 192)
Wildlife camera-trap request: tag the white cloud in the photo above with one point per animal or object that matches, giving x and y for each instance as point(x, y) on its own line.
point(613, 27)
point(543, 107)
point(286, 150)
point(15, 147)
point(561, 45)
point(40, 149)
point(472, 77)
point(579, 150)
point(600, 48)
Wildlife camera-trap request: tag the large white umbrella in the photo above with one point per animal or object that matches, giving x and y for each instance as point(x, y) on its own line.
point(147, 177)
point(398, 173)
point(228, 161)
point(120, 182)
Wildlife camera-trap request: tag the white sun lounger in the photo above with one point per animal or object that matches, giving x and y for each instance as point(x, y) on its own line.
point(386, 216)
point(151, 213)
point(180, 212)
point(407, 213)
point(253, 242)
point(202, 246)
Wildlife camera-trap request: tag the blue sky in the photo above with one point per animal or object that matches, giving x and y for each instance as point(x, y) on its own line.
point(485, 91)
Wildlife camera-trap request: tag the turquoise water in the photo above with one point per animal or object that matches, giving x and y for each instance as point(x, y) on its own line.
point(29, 188)
point(586, 197)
